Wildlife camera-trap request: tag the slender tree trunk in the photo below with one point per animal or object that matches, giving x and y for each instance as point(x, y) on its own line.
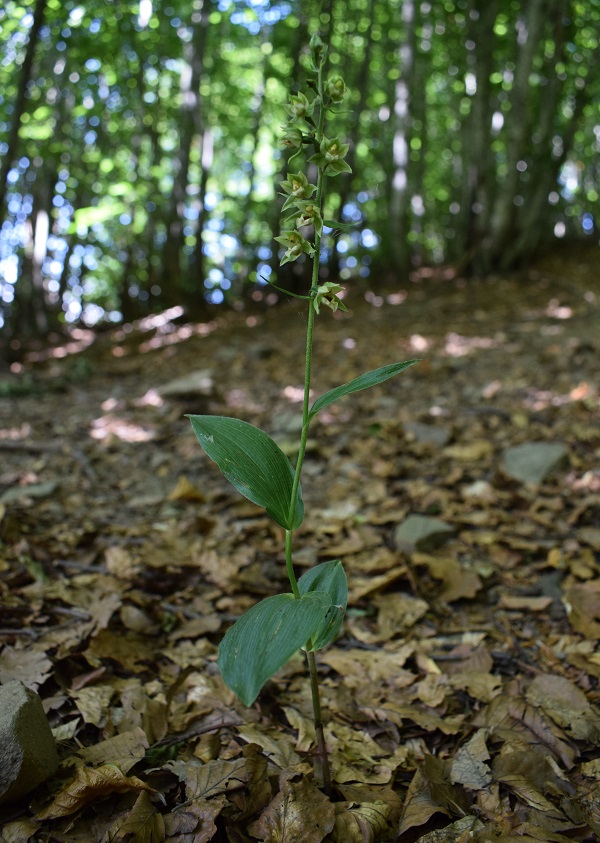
point(358, 82)
point(190, 125)
point(20, 101)
point(31, 315)
point(528, 31)
point(478, 165)
point(400, 198)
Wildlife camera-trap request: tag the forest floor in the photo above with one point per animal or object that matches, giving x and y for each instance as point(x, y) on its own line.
point(462, 699)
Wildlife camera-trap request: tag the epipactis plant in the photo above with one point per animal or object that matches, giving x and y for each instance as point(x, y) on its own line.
point(309, 617)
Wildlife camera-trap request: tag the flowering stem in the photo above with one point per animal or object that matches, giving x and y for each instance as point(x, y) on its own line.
point(323, 760)
point(309, 334)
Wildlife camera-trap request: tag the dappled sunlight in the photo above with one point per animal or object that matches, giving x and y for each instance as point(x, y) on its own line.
point(15, 434)
point(178, 335)
point(374, 299)
point(80, 339)
point(557, 311)
point(109, 426)
point(419, 343)
point(541, 399)
point(397, 298)
point(294, 394)
point(150, 399)
point(167, 334)
point(589, 481)
point(458, 345)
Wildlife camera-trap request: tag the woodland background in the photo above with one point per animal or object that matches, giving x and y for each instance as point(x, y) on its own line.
point(139, 161)
point(140, 155)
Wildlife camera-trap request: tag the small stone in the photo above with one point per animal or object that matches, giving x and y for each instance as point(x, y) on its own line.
point(421, 532)
point(532, 462)
point(428, 434)
point(28, 753)
point(481, 490)
point(198, 383)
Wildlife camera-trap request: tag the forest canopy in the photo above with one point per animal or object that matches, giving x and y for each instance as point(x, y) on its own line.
point(140, 144)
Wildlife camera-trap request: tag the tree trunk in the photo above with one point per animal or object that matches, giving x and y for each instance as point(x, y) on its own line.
point(20, 101)
point(191, 125)
point(400, 198)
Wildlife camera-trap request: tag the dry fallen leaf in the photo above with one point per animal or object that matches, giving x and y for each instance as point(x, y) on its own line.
point(299, 813)
point(88, 785)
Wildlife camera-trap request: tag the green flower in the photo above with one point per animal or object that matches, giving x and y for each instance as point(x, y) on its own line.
point(331, 156)
point(299, 107)
point(309, 215)
point(298, 187)
point(295, 245)
point(293, 138)
point(318, 52)
point(335, 88)
point(327, 294)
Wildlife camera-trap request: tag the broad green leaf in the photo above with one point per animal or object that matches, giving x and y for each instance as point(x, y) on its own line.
point(330, 578)
point(361, 382)
point(253, 463)
point(263, 639)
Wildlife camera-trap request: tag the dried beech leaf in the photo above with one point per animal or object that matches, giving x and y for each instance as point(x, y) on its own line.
point(90, 784)
point(299, 813)
point(124, 750)
point(567, 705)
point(469, 767)
point(144, 822)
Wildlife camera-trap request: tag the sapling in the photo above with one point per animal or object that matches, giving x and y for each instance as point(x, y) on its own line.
point(309, 617)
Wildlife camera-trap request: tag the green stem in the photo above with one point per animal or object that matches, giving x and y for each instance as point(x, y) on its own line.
point(288, 564)
point(320, 735)
point(323, 759)
point(308, 357)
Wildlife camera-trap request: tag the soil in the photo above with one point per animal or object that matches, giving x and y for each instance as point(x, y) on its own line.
point(461, 699)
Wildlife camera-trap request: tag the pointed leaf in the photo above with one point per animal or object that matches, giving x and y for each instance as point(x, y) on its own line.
point(330, 578)
point(263, 639)
point(371, 378)
point(341, 226)
point(253, 463)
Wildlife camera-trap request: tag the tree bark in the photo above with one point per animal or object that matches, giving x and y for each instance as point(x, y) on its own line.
point(191, 125)
point(20, 101)
point(400, 198)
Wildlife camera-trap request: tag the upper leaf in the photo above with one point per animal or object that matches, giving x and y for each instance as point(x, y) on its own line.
point(254, 463)
point(263, 639)
point(341, 226)
point(361, 382)
point(330, 578)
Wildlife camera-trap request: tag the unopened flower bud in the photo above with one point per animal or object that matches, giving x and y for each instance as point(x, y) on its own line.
point(318, 51)
point(335, 88)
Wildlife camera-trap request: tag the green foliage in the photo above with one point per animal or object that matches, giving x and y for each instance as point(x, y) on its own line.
point(364, 381)
point(263, 639)
point(330, 578)
point(253, 463)
point(151, 143)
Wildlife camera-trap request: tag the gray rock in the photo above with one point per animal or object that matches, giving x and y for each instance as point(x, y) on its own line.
point(532, 462)
point(35, 490)
point(420, 532)
point(28, 753)
point(198, 383)
point(429, 434)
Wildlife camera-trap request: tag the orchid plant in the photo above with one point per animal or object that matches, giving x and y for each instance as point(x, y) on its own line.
point(310, 615)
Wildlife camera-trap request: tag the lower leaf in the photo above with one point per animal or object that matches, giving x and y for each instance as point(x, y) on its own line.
point(263, 639)
point(330, 578)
